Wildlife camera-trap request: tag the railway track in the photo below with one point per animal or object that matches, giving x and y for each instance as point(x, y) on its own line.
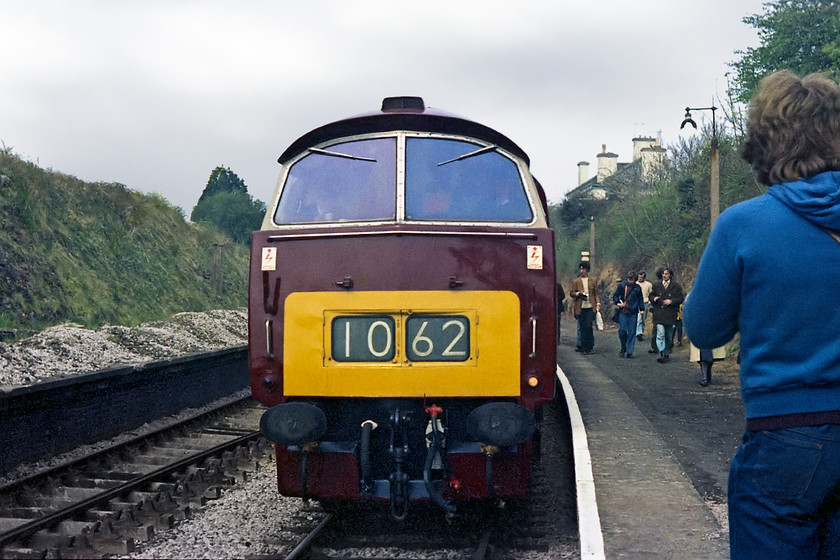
point(478, 533)
point(367, 532)
point(119, 500)
point(104, 503)
point(525, 528)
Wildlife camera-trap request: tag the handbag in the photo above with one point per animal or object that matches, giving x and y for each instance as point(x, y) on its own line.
point(599, 321)
point(615, 315)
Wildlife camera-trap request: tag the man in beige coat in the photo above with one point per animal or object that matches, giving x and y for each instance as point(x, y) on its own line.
point(585, 303)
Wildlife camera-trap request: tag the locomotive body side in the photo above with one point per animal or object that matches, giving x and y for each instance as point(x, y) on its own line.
point(402, 322)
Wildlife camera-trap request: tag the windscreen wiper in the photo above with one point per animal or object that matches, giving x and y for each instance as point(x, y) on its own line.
point(478, 152)
point(339, 154)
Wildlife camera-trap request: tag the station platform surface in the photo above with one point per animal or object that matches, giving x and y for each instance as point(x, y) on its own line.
point(645, 505)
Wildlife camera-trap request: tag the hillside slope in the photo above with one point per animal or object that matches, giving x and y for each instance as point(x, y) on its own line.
point(101, 253)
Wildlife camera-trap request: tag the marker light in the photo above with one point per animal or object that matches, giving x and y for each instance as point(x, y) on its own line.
point(293, 423)
point(502, 424)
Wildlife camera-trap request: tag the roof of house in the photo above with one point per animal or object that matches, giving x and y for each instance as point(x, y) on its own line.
point(626, 171)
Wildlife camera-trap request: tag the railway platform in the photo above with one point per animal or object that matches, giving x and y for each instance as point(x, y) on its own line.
point(635, 498)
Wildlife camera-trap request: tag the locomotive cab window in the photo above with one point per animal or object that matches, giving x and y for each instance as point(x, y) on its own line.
point(403, 178)
point(349, 181)
point(454, 180)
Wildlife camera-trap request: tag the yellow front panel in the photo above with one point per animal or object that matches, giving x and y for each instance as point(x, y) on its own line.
point(491, 368)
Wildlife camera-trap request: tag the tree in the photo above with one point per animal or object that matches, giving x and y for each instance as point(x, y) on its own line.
point(222, 180)
point(236, 214)
point(798, 35)
point(226, 205)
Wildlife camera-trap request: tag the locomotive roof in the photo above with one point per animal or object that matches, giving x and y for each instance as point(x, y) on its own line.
point(402, 113)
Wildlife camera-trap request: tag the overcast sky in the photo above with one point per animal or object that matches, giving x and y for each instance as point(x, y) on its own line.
point(154, 94)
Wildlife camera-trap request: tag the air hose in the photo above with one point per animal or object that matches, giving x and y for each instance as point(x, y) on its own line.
point(435, 494)
point(367, 428)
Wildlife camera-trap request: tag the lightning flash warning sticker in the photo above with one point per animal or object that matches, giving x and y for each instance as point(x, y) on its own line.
point(269, 258)
point(535, 257)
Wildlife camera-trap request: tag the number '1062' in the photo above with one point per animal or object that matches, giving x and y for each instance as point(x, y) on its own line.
point(428, 338)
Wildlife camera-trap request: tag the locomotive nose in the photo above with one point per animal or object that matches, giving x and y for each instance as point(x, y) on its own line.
point(293, 423)
point(502, 424)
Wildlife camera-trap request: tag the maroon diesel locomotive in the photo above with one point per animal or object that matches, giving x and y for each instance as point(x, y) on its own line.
point(402, 314)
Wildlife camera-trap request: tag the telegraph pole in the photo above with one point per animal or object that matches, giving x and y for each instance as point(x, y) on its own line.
point(714, 181)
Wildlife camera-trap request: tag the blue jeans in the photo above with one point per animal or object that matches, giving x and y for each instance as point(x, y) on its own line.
point(627, 331)
point(665, 338)
point(640, 328)
point(783, 494)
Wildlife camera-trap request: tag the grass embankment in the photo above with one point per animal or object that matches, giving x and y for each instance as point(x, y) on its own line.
point(101, 253)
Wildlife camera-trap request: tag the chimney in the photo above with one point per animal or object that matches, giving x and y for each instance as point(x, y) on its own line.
point(607, 163)
point(653, 162)
point(583, 172)
point(640, 144)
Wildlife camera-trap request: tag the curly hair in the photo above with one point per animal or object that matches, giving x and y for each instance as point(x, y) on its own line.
point(793, 128)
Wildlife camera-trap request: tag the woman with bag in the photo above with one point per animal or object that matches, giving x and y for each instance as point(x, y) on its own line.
point(706, 357)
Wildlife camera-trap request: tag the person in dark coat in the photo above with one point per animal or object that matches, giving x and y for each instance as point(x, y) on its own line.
point(585, 303)
point(628, 300)
point(654, 349)
point(665, 298)
point(646, 286)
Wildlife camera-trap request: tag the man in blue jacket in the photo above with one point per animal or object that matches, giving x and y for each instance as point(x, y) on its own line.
point(628, 299)
point(784, 481)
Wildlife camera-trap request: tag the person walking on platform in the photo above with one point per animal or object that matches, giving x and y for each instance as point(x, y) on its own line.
point(584, 293)
point(646, 286)
point(578, 347)
point(628, 299)
point(784, 481)
point(654, 349)
point(678, 326)
point(666, 297)
point(706, 357)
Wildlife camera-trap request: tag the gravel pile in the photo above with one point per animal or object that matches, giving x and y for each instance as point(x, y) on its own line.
point(71, 349)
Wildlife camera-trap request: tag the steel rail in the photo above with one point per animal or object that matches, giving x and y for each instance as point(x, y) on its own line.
point(51, 519)
point(303, 546)
point(33, 479)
